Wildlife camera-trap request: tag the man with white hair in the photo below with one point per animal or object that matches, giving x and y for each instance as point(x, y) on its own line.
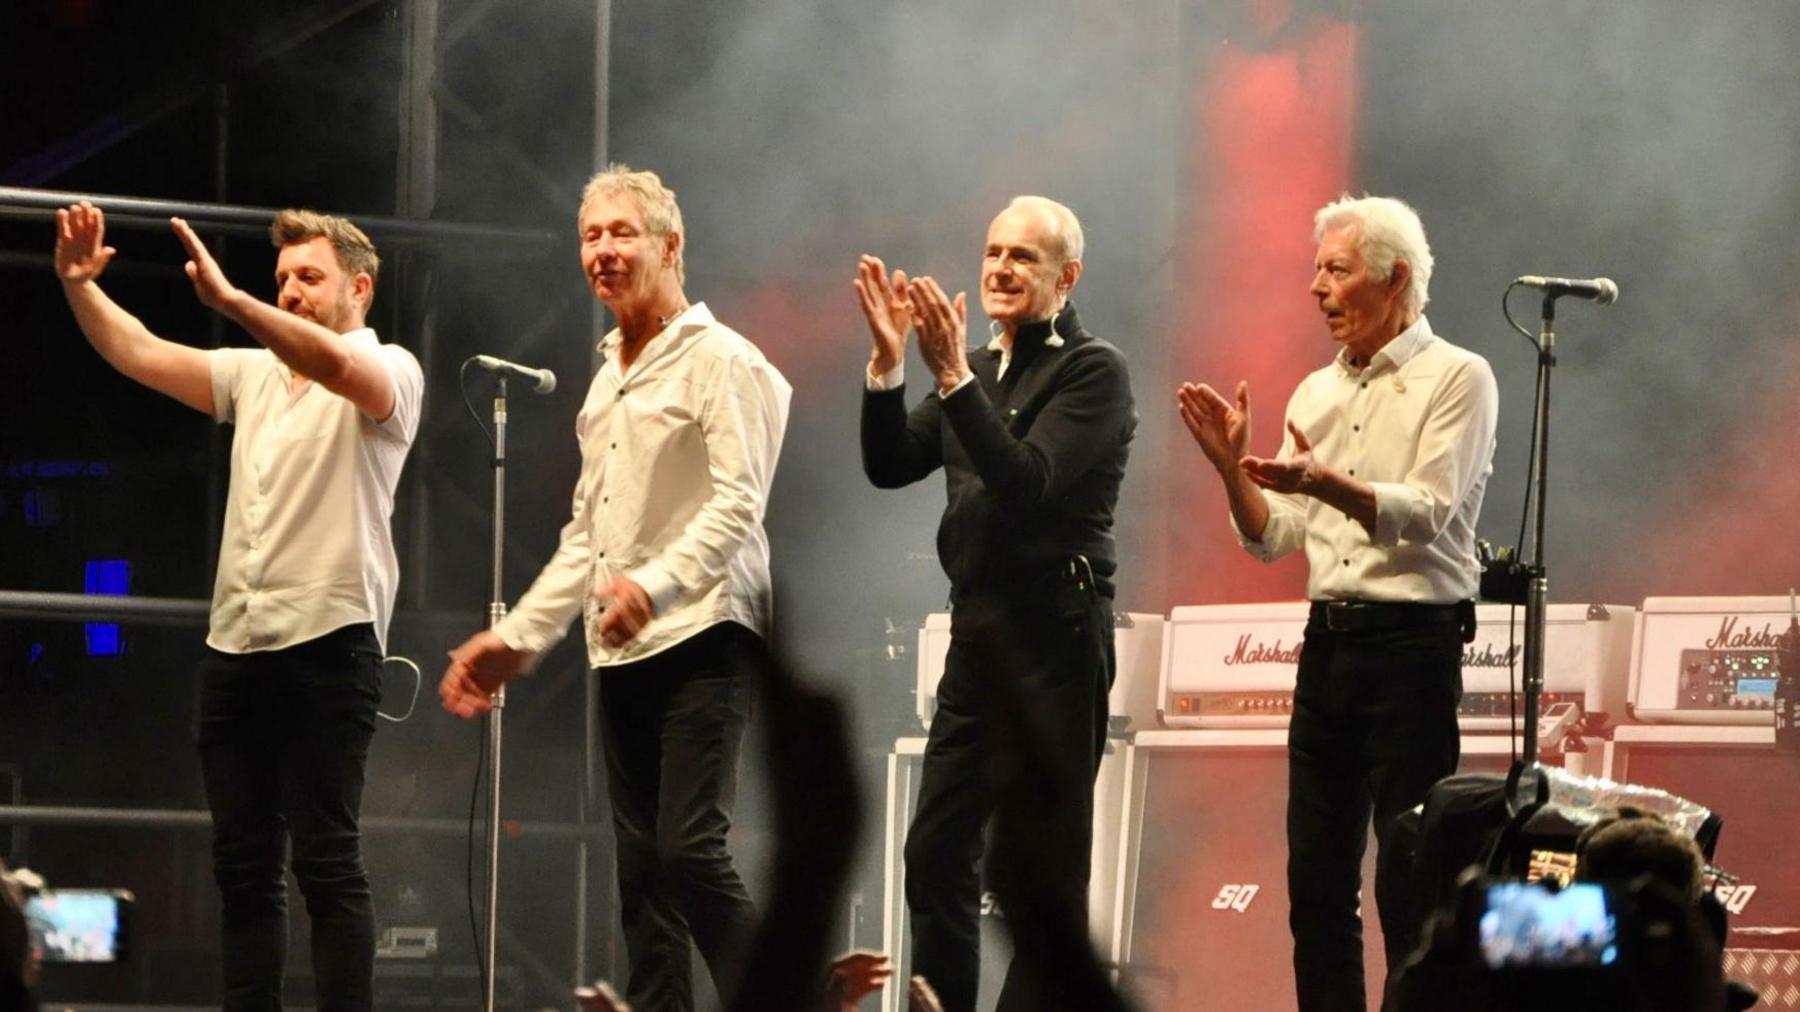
point(1380, 477)
point(666, 559)
point(1032, 432)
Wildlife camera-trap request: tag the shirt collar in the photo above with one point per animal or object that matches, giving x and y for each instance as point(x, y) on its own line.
point(693, 317)
point(1402, 349)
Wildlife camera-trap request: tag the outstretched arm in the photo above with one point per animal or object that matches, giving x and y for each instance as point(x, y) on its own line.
point(176, 370)
point(308, 348)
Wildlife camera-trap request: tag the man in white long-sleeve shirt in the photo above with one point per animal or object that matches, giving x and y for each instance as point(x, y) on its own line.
point(667, 561)
point(1380, 478)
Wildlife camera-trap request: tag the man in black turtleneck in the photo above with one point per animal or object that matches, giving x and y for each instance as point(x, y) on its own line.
point(1032, 432)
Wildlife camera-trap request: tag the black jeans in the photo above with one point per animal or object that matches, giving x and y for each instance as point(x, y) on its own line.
point(1374, 727)
point(284, 742)
point(1013, 663)
point(672, 725)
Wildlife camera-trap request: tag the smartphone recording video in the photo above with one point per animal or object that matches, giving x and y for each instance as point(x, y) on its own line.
point(80, 925)
point(1527, 925)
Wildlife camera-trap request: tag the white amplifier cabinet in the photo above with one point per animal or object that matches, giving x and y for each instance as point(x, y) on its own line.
point(1707, 660)
point(1233, 665)
point(1587, 661)
point(1137, 645)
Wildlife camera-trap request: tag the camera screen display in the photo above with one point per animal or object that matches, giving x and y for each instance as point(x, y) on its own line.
point(79, 925)
point(1526, 924)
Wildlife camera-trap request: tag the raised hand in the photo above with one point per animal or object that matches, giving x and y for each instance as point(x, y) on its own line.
point(886, 307)
point(214, 290)
point(1295, 473)
point(943, 330)
point(921, 997)
point(81, 250)
point(477, 670)
point(853, 976)
point(1220, 427)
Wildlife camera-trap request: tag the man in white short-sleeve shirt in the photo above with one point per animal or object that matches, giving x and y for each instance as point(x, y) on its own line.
point(324, 415)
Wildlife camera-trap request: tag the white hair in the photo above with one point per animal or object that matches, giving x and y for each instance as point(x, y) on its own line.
point(1387, 230)
point(1068, 227)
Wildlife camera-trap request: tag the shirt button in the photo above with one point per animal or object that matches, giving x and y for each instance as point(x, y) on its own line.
point(1365, 384)
point(1353, 471)
point(613, 446)
point(1355, 428)
point(603, 555)
point(1346, 562)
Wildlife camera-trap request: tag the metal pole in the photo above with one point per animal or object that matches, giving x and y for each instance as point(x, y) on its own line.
point(21, 203)
point(416, 197)
point(590, 705)
point(496, 612)
point(1536, 599)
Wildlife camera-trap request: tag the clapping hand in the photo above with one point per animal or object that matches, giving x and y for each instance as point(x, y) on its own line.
point(889, 312)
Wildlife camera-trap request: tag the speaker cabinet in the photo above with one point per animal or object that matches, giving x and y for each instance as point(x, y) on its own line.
point(1202, 915)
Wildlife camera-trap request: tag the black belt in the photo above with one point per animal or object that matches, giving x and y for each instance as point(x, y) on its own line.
point(1378, 616)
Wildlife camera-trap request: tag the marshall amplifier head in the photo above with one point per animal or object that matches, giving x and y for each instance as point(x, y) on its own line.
point(1137, 647)
point(1708, 660)
point(1233, 665)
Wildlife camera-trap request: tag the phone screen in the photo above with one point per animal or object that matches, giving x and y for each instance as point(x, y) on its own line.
point(1526, 924)
point(79, 925)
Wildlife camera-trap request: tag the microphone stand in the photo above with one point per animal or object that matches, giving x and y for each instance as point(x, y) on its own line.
point(496, 612)
point(1537, 592)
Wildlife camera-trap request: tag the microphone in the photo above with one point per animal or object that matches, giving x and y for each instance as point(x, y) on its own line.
point(543, 380)
point(1601, 290)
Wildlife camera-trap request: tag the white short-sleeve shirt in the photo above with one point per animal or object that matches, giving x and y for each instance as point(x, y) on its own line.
point(307, 546)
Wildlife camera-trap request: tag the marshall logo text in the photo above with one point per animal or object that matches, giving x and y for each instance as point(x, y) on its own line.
point(1262, 653)
point(1732, 638)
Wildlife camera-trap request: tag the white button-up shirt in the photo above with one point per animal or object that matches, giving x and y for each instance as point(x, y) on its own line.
point(677, 456)
point(307, 546)
point(1417, 423)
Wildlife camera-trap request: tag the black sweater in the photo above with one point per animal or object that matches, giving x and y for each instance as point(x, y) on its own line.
point(1032, 463)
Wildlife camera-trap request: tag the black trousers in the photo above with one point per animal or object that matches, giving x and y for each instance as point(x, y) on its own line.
point(1374, 727)
point(672, 725)
point(284, 742)
point(1014, 668)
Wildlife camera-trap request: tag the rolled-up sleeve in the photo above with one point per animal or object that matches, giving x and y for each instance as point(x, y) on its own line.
point(1286, 530)
point(1455, 450)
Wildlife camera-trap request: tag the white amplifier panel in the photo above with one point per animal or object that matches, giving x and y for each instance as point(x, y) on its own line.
point(1233, 665)
point(1137, 644)
point(1707, 660)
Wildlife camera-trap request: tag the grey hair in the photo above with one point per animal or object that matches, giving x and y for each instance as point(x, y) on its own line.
point(662, 215)
point(1387, 230)
point(1068, 227)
